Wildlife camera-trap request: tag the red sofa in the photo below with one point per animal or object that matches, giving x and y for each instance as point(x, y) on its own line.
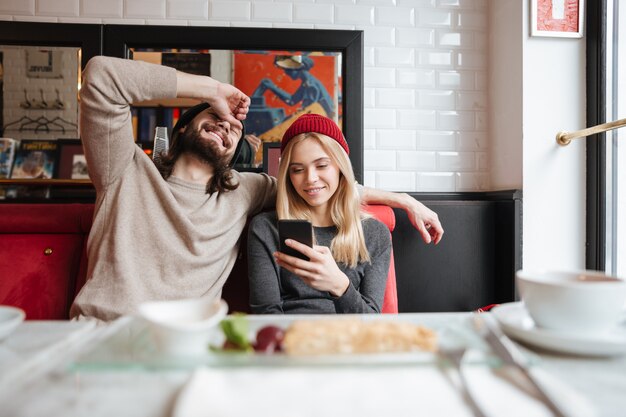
point(43, 259)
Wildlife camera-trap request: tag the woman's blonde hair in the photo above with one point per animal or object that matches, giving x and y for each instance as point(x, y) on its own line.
point(348, 246)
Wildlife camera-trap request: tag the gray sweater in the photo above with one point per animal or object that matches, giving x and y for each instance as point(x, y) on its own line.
point(276, 290)
point(151, 239)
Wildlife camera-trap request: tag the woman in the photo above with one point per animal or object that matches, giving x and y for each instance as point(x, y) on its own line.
point(348, 264)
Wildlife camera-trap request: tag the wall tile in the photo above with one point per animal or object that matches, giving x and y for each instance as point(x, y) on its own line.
point(189, 9)
point(379, 160)
point(436, 181)
point(472, 20)
point(422, 38)
point(473, 60)
point(18, 7)
point(316, 13)
point(379, 36)
point(369, 179)
point(99, 8)
point(440, 18)
point(396, 98)
point(358, 15)
point(417, 119)
point(436, 140)
point(417, 161)
point(380, 118)
point(78, 19)
point(395, 139)
point(435, 59)
point(456, 161)
point(416, 3)
point(42, 19)
point(368, 56)
point(274, 12)
point(369, 97)
point(230, 10)
point(369, 139)
point(395, 181)
point(458, 80)
point(416, 78)
point(144, 9)
point(436, 99)
point(380, 77)
point(57, 8)
point(395, 57)
point(395, 16)
point(466, 181)
point(456, 120)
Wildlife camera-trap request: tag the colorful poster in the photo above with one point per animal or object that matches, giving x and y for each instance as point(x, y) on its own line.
point(283, 85)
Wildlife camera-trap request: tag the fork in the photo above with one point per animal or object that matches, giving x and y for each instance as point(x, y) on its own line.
point(454, 356)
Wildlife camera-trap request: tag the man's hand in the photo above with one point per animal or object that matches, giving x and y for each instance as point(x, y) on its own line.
point(230, 104)
point(425, 221)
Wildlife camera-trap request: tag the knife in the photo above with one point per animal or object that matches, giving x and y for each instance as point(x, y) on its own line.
point(511, 355)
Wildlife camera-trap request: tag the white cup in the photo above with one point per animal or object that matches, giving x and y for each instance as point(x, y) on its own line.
point(572, 301)
point(183, 327)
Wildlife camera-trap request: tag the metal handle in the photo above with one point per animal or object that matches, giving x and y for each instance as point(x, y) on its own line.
point(564, 138)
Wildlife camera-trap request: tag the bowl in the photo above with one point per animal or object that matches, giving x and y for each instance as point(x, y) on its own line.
point(10, 318)
point(183, 327)
point(573, 301)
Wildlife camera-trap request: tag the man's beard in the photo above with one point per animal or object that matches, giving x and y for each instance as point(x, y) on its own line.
point(206, 150)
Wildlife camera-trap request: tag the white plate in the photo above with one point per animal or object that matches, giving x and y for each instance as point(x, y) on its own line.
point(516, 323)
point(10, 318)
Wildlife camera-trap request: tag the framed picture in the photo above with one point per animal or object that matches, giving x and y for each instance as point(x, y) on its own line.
point(72, 163)
point(271, 158)
point(557, 18)
point(284, 85)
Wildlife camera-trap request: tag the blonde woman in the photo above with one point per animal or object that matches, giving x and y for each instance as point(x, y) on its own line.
point(348, 264)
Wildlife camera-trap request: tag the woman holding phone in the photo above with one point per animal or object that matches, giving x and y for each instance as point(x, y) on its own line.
point(347, 266)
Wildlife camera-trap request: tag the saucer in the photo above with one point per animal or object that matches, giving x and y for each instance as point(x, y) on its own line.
point(516, 323)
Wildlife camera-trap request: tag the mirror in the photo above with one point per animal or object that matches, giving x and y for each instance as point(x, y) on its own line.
point(282, 85)
point(271, 55)
point(287, 51)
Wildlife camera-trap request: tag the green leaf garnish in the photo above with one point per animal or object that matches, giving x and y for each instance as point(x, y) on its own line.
point(236, 328)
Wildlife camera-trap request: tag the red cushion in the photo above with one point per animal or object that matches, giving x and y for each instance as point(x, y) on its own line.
point(386, 215)
point(42, 256)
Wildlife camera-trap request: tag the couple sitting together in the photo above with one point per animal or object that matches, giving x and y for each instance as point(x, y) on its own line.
point(171, 230)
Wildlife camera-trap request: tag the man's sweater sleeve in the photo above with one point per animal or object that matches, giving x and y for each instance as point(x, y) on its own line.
point(109, 86)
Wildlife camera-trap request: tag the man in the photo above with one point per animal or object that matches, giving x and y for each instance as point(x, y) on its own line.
point(172, 232)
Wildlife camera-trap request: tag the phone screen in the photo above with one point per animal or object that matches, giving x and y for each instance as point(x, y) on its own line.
point(298, 230)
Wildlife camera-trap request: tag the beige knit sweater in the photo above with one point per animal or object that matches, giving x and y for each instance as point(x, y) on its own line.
point(151, 239)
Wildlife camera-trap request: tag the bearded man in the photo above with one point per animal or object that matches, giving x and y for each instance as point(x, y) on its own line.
point(172, 231)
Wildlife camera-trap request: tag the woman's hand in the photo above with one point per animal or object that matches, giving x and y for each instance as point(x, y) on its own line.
point(320, 272)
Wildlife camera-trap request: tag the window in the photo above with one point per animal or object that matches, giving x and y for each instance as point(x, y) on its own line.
point(615, 159)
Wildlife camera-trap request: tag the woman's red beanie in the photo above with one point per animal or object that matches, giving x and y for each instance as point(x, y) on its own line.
point(314, 123)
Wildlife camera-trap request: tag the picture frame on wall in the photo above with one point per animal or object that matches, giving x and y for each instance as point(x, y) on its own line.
point(271, 158)
point(71, 160)
point(557, 18)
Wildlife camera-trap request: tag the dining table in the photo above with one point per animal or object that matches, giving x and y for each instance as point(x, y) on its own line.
point(92, 368)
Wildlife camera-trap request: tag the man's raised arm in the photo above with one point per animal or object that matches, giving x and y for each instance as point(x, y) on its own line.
point(424, 219)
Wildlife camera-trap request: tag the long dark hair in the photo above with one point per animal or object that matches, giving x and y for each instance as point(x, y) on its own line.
point(222, 179)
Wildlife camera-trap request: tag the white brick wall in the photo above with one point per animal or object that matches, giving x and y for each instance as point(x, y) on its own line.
point(425, 72)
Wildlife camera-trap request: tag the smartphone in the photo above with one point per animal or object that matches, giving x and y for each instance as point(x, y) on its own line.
point(298, 230)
